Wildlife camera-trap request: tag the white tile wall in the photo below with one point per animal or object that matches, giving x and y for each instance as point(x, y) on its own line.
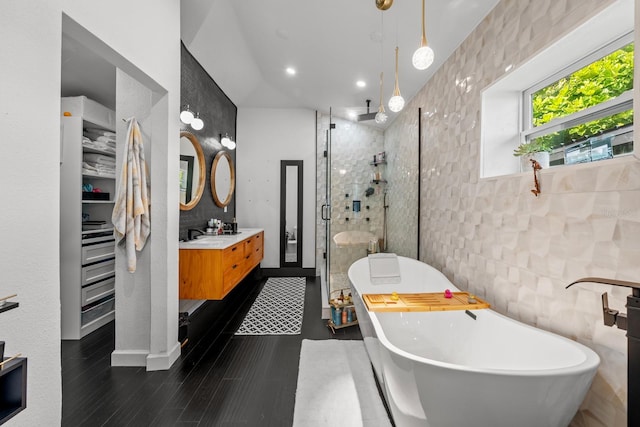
point(492, 236)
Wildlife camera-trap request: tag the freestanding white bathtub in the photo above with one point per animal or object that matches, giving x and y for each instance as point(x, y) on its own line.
point(446, 369)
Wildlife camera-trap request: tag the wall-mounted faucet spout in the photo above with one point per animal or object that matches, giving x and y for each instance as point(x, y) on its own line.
point(634, 285)
point(630, 322)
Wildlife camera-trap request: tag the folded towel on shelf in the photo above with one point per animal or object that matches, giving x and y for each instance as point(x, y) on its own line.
point(99, 159)
point(101, 170)
point(98, 132)
point(131, 211)
point(111, 139)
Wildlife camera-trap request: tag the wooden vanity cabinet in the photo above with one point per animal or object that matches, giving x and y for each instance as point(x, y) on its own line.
point(213, 273)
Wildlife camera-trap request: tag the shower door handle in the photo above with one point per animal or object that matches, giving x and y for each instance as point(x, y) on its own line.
point(325, 210)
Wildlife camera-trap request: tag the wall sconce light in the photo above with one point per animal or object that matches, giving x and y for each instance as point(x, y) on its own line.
point(227, 141)
point(186, 115)
point(197, 122)
point(189, 118)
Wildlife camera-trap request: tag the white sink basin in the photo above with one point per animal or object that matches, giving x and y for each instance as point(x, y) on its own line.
point(219, 241)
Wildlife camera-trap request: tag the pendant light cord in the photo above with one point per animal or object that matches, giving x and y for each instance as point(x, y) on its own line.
point(396, 91)
point(381, 107)
point(424, 36)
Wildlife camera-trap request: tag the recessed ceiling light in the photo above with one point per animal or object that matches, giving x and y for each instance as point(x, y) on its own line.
point(361, 83)
point(352, 114)
point(291, 71)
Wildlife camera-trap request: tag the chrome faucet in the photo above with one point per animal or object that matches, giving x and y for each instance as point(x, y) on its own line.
point(631, 323)
point(191, 231)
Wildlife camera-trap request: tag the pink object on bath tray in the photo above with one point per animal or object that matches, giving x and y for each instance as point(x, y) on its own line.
point(448, 294)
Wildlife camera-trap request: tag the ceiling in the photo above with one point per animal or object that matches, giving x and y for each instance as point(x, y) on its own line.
point(247, 45)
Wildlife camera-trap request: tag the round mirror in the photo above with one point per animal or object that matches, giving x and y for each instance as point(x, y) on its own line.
point(192, 171)
point(223, 179)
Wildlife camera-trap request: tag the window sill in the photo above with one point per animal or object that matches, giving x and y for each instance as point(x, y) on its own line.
point(582, 177)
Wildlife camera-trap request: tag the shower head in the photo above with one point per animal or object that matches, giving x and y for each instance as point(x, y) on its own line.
point(368, 115)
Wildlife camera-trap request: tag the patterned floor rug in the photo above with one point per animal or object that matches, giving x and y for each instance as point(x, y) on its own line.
point(278, 309)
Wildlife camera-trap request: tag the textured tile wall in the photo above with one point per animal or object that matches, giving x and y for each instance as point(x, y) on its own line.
point(493, 236)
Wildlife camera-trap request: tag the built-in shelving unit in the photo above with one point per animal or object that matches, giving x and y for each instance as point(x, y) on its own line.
point(13, 387)
point(8, 306)
point(87, 250)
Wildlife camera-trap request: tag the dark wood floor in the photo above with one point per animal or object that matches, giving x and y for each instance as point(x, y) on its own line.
point(220, 379)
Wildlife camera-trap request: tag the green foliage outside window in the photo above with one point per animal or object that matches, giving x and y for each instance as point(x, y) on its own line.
point(599, 81)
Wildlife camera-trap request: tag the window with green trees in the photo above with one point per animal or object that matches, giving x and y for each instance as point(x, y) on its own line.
point(587, 102)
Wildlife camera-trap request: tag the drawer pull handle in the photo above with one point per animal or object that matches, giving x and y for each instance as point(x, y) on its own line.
point(233, 249)
point(247, 257)
point(234, 266)
point(258, 250)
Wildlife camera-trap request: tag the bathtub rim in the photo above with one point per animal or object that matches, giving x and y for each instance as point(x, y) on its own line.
point(590, 362)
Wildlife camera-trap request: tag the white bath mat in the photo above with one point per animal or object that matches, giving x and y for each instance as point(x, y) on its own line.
point(278, 309)
point(336, 387)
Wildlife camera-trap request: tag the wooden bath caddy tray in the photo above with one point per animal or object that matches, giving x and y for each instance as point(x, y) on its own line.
point(422, 302)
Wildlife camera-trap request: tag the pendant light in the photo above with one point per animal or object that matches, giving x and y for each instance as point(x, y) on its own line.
point(423, 56)
point(381, 116)
point(396, 103)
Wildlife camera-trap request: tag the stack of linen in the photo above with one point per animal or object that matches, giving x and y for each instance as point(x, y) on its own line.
point(99, 139)
point(98, 164)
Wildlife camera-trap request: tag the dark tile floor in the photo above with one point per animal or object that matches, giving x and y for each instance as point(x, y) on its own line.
point(220, 379)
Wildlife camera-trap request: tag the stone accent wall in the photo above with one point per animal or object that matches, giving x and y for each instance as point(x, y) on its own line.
point(493, 237)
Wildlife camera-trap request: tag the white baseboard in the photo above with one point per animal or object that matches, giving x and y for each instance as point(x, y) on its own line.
point(129, 358)
point(163, 361)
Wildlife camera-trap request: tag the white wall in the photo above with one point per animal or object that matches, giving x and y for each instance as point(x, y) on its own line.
point(266, 136)
point(29, 225)
point(29, 218)
point(147, 47)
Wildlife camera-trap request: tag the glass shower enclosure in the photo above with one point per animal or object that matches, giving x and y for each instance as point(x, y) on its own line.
point(354, 204)
point(370, 201)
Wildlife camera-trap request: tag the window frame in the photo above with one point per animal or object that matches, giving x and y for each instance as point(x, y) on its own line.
point(622, 102)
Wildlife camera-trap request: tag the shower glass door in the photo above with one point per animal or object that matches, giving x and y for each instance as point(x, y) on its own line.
point(354, 204)
point(371, 201)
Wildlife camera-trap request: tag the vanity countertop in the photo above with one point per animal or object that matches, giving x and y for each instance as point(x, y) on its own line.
point(221, 241)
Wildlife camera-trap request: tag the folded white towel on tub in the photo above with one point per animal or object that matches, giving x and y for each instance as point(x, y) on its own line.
point(384, 269)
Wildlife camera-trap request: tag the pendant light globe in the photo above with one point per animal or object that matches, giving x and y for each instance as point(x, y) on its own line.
point(396, 103)
point(423, 58)
point(381, 117)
